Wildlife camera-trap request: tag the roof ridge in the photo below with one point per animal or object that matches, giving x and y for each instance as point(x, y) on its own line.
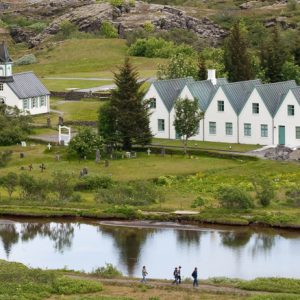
point(242, 81)
point(172, 79)
point(272, 83)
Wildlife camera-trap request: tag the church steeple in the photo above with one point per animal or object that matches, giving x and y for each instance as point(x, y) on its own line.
point(5, 64)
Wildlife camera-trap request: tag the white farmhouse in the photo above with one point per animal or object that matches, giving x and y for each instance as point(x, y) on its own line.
point(23, 90)
point(246, 112)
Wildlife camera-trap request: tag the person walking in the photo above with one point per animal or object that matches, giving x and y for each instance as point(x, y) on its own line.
point(195, 277)
point(144, 274)
point(179, 274)
point(175, 274)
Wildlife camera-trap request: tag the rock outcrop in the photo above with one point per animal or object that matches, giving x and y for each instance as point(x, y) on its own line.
point(88, 15)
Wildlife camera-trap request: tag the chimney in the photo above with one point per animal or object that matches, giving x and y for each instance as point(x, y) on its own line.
point(211, 75)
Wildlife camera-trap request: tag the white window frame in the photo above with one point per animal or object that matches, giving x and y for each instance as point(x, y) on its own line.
point(161, 125)
point(254, 107)
point(221, 104)
point(27, 106)
point(248, 130)
point(212, 128)
point(292, 107)
point(43, 101)
point(228, 128)
point(264, 130)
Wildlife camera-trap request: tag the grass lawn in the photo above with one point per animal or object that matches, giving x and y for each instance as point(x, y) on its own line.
point(96, 58)
point(207, 145)
point(63, 85)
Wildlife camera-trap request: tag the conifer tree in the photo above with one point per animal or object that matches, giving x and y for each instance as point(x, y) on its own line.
point(273, 56)
point(237, 59)
point(202, 71)
point(129, 111)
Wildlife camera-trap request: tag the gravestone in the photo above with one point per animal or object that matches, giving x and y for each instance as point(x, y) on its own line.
point(127, 154)
point(57, 157)
point(98, 156)
point(22, 154)
point(85, 171)
point(49, 146)
point(60, 121)
point(106, 163)
point(23, 144)
point(148, 151)
point(42, 167)
point(30, 167)
point(163, 151)
point(22, 168)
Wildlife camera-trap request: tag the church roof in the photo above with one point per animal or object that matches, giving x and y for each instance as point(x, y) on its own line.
point(27, 85)
point(4, 55)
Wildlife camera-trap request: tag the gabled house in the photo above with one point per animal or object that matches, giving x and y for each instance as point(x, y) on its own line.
point(162, 95)
point(257, 118)
point(23, 90)
point(221, 122)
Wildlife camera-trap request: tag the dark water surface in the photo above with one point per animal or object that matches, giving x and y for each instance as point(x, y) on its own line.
point(216, 251)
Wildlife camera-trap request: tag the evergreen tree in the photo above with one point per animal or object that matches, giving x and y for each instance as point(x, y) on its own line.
point(128, 109)
point(273, 56)
point(202, 70)
point(237, 59)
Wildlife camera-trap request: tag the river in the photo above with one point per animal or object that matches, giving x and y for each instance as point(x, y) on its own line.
point(237, 252)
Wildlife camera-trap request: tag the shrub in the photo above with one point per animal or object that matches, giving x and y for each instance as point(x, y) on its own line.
point(108, 271)
point(108, 30)
point(122, 211)
point(117, 3)
point(94, 183)
point(198, 202)
point(294, 196)
point(63, 185)
point(234, 197)
point(10, 182)
point(26, 60)
point(135, 193)
point(264, 190)
point(67, 28)
point(33, 189)
point(5, 157)
point(38, 27)
point(149, 27)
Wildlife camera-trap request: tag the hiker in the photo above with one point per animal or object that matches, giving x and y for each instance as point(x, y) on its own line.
point(195, 276)
point(175, 273)
point(179, 274)
point(144, 274)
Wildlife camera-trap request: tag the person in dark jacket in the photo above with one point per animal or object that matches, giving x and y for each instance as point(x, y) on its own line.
point(179, 274)
point(175, 274)
point(195, 277)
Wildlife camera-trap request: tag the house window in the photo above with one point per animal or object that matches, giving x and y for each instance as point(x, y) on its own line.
point(291, 110)
point(161, 125)
point(212, 128)
point(228, 128)
point(220, 105)
point(25, 104)
point(1, 87)
point(255, 108)
point(297, 132)
point(264, 130)
point(247, 129)
point(152, 103)
point(43, 101)
point(34, 102)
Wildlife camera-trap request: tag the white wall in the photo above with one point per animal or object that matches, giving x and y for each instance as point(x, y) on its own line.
point(213, 115)
point(247, 116)
point(185, 94)
point(12, 100)
point(290, 122)
point(160, 112)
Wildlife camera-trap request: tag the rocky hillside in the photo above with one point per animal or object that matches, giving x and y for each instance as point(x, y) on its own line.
point(88, 15)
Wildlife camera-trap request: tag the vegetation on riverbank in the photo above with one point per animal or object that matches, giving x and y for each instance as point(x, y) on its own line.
point(20, 282)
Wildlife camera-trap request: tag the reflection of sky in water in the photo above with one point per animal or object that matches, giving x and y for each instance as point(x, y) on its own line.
point(230, 253)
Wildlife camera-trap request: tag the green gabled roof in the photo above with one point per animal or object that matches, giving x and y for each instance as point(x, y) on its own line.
point(238, 92)
point(296, 92)
point(203, 90)
point(170, 89)
point(273, 94)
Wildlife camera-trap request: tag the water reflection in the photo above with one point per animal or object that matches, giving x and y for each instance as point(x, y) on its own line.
point(235, 239)
point(189, 237)
point(129, 242)
point(9, 236)
point(61, 234)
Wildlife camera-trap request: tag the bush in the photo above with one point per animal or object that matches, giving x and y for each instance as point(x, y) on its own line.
point(9, 182)
point(5, 157)
point(63, 185)
point(135, 193)
point(264, 190)
point(67, 28)
point(108, 30)
point(117, 3)
point(33, 189)
point(198, 202)
point(38, 27)
point(149, 27)
point(109, 271)
point(234, 197)
point(293, 195)
point(26, 60)
point(94, 183)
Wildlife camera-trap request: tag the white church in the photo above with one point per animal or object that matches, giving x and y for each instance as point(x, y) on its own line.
point(246, 112)
point(23, 90)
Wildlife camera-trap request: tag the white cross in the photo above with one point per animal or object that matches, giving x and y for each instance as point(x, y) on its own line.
point(149, 152)
point(49, 146)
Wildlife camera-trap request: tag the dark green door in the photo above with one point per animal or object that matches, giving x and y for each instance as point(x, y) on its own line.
point(281, 135)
